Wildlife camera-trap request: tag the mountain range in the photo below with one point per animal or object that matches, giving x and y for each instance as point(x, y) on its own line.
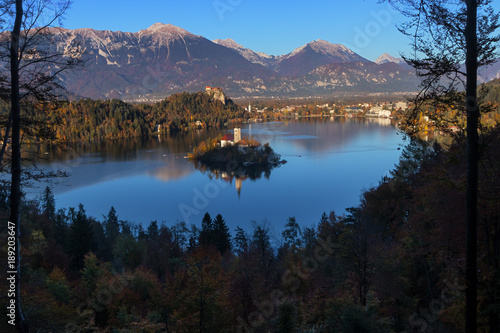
point(164, 59)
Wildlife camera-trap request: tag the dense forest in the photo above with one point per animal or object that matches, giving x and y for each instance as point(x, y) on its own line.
point(395, 263)
point(94, 120)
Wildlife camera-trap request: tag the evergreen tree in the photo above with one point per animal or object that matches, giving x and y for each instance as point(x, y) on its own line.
point(261, 246)
point(309, 238)
point(61, 228)
point(100, 243)
point(153, 231)
point(126, 228)
point(207, 230)
point(49, 204)
point(291, 234)
point(193, 239)
point(80, 236)
point(222, 237)
point(240, 241)
point(179, 233)
point(112, 231)
point(111, 225)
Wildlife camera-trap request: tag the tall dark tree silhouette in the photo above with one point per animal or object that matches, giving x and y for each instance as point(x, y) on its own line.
point(27, 50)
point(445, 34)
point(222, 236)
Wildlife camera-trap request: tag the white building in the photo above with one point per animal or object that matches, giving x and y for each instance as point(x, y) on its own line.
point(378, 111)
point(402, 105)
point(227, 140)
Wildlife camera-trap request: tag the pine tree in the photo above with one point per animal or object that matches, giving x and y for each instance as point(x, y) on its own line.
point(80, 236)
point(112, 231)
point(240, 241)
point(207, 230)
point(222, 237)
point(291, 234)
point(49, 204)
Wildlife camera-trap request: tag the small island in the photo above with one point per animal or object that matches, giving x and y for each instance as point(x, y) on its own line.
point(231, 157)
point(237, 151)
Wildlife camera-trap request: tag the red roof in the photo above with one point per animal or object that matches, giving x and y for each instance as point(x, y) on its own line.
point(228, 137)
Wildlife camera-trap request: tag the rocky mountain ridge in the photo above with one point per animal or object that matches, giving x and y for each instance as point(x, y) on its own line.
point(164, 59)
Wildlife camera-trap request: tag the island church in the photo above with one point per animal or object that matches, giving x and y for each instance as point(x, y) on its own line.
point(230, 139)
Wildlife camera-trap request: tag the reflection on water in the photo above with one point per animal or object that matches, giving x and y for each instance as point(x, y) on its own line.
point(228, 173)
point(329, 162)
point(173, 167)
point(97, 162)
point(323, 134)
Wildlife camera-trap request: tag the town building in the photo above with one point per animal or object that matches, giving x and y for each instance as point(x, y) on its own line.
point(402, 105)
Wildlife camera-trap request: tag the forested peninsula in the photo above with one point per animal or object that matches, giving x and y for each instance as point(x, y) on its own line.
point(96, 120)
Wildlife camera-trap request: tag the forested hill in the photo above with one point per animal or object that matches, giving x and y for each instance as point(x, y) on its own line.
point(92, 120)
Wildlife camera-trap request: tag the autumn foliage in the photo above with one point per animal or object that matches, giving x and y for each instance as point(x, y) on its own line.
point(394, 263)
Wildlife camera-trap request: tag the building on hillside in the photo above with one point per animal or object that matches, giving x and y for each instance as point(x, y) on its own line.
point(212, 89)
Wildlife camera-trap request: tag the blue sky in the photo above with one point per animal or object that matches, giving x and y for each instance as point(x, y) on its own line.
point(269, 26)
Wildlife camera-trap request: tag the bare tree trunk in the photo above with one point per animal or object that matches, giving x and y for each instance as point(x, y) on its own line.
point(15, 192)
point(6, 138)
point(472, 167)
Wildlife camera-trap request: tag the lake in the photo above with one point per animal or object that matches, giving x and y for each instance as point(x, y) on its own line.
point(330, 162)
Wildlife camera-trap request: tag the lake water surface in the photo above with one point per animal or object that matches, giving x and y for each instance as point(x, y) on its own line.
point(330, 162)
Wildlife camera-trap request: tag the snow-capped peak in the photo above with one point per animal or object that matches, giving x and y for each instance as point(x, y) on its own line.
point(228, 42)
point(328, 49)
point(167, 28)
point(322, 46)
point(385, 58)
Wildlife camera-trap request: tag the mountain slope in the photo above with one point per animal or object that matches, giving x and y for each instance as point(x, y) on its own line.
point(313, 55)
point(385, 58)
point(161, 60)
point(366, 76)
point(164, 59)
point(252, 56)
point(489, 73)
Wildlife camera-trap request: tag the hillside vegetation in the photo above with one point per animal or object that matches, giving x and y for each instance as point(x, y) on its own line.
point(394, 263)
point(94, 120)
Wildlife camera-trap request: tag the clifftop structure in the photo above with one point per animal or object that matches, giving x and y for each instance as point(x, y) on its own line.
point(216, 93)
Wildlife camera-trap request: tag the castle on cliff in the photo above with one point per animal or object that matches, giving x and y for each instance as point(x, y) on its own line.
point(216, 93)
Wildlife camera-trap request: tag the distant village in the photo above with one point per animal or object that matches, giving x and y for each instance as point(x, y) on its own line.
point(355, 109)
point(376, 110)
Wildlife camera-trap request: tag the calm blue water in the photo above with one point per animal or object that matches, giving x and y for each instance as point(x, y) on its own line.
point(330, 162)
